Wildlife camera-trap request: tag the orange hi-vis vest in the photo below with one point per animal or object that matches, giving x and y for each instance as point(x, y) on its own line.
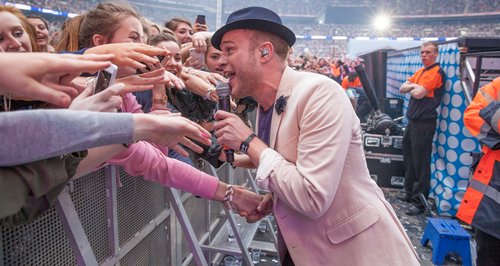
point(480, 206)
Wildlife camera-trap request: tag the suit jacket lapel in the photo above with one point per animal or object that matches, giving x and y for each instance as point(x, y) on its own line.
point(284, 89)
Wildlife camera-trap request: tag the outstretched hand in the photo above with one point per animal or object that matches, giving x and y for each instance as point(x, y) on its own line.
point(46, 77)
point(170, 131)
point(135, 55)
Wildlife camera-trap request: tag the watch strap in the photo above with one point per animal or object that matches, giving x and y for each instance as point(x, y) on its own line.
point(246, 144)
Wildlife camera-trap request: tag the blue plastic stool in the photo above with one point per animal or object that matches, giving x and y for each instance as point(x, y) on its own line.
point(447, 236)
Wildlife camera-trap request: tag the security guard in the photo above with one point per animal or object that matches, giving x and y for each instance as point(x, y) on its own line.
point(480, 206)
point(426, 88)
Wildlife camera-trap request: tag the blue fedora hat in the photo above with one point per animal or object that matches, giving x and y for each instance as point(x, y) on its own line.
point(255, 18)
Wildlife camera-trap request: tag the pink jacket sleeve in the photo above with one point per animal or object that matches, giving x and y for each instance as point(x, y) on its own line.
point(143, 159)
point(130, 105)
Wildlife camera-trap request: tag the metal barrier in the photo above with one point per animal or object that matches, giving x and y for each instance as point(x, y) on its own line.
point(108, 217)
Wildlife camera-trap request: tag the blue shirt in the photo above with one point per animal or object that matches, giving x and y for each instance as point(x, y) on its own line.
point(264, 128)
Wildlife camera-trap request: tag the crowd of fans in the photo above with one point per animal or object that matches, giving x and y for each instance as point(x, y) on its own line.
point(402, 29)
point(133, 120)
point(160, 11)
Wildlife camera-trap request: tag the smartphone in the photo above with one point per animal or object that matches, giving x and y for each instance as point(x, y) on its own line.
point(201, 19)
point(105, 78)
point(194, 54)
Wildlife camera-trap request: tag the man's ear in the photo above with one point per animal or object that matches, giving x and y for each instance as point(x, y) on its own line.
point(98, 39)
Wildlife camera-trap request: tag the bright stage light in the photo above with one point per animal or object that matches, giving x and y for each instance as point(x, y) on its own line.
point(382, 22)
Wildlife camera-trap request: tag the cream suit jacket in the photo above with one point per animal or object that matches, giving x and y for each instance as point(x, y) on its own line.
point(328, 209)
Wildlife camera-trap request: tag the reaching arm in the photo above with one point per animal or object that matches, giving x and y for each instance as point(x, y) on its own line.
point(38, 134)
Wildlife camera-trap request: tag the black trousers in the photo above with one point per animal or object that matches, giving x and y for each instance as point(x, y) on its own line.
point(488, 248)
point(417, 148)
point(287, 261)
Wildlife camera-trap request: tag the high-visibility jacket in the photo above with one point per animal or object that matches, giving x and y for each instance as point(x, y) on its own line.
point(335, 70)
point(480, 206)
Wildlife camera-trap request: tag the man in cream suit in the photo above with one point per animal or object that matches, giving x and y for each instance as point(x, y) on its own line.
point(308, 152)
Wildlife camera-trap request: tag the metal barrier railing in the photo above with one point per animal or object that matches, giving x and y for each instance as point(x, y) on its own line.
point(108, 217)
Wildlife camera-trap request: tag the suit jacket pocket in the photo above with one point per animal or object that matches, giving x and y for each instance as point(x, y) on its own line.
point(353, 225)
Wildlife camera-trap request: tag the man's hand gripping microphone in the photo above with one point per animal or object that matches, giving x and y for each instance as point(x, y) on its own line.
point(223, 90)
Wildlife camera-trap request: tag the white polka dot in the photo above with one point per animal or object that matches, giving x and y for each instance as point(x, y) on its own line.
point(451, 71)
point(450, 168)
point(452, 58)
point(452, 142)
point(466, 132)
point(438, 176)
point(454, 128)
point(463, 172)
point(446, 99)
point(468, 145)
point(457, 87)
point(433, 183)
point(444, 205)
point(462, 185)
point(439, 189)
point(449, 182)
point(457, 100)
point(459, 195)
point(447, 86)
point(433, 167)
point(440, 165)
point(465, 158)
point(451, 155)
point(445, 112)
point(457, 71)
point(442, 138)
point(455, 114)
point(440, 151)
point(447, 194)
point(443, 125)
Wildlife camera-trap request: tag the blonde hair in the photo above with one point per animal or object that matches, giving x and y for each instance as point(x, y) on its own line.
point(430, 43)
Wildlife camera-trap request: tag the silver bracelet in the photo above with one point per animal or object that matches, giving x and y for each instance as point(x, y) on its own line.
point(228, 197)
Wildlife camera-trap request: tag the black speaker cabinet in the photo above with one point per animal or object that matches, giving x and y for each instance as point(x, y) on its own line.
point(386, 169)
point(383, 144)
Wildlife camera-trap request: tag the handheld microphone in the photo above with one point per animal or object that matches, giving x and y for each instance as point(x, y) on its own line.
point(223, 90)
